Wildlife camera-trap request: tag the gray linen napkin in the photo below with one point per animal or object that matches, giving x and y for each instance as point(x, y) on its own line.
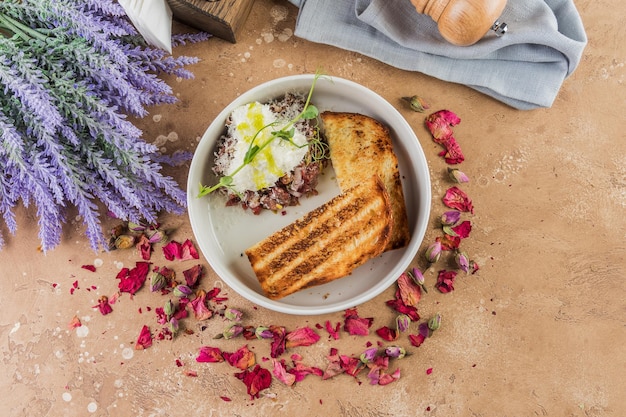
point(524, 69)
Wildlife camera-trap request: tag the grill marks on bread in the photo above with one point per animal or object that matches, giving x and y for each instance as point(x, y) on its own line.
point(359, 147)
point(327, 243)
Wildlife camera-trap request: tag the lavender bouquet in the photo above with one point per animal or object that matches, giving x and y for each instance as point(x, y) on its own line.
point(70, 72)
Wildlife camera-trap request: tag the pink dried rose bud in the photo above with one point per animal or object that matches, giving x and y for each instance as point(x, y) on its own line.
point(402, 323)
point(396, 352)
point(433, 252)
point(174, 325)
point(169, 309)
point(435, 322)
point(233, 314)
point(418, 278)
point(182, 291)
point(462, 260)
point(369, 355)
point(157, 281)
point(457, 175)
point(263, 332)
point(416, 103)
point(450, 217)
point(232, 331)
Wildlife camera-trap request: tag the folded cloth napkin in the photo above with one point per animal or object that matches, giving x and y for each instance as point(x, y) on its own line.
point(525, 68)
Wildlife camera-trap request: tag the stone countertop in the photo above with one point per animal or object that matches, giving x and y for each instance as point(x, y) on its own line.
point(539, 330)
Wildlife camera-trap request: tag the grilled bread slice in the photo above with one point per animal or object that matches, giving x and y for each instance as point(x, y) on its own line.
point(359, 147)
point(327, 243)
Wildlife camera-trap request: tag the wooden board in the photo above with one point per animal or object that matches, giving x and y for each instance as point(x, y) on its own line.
point(221, 18)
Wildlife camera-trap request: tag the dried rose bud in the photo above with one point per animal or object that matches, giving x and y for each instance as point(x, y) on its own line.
point(369, 355)
point(233, 314)
point(449, 230)
point(168, 309)
point(182, 290)
point(263, 332)
point(136, 227)
point(463, 261)
point(435, 322)
point(457, 176)
point(124, 241)
point(397, 352)
point(156, 236)
point(418, 277)
point(402, 323)
point(157, 281)
point(117, 231)
point(433, 252)
point(450, 217)
point(232, 331)
point(416, 103)
point(174, 325)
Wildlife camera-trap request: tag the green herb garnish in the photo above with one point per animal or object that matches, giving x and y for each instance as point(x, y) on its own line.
point(318, 149)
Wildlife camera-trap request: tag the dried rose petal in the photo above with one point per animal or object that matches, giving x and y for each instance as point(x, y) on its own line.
point(351, 366)
point(242, 358)
point(333, 332)
point(74, 323)
point(410, 292)
point(104, 306)
point(89, 268)
point(304, 336)
point(280, 372)
point(256, 380)
point(416, 339)
point(386, 379)
point(131, 280)
point(144, 340)
point(210, 354)
point(463, 230)
point(278, 345)
point(172, 250)
point(334, 366)
point(457, 199)
point(188, 251)
point(144, 247)
point(199, 307)
point(440, 124)
point(355, 325)
point(452, 154)
point(193, 275)
point(400, 307)
point(301, 371)
point(387, 333)
point(449, 242)
point(445, 281)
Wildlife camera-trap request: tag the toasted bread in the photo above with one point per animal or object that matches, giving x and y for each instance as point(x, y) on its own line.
point(359, 147)
point(327, 243)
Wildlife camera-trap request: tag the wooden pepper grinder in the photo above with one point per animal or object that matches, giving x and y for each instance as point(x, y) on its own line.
point(464, 22)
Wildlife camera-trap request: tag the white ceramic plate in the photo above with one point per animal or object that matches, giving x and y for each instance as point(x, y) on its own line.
point(224, 233)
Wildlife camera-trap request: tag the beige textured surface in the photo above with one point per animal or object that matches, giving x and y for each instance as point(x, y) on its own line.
point(539, 331)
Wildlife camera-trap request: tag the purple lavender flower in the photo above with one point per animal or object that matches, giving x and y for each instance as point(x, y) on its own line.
point(70, 72)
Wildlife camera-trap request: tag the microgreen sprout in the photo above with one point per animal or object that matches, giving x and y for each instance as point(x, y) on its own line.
point(318, 149)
